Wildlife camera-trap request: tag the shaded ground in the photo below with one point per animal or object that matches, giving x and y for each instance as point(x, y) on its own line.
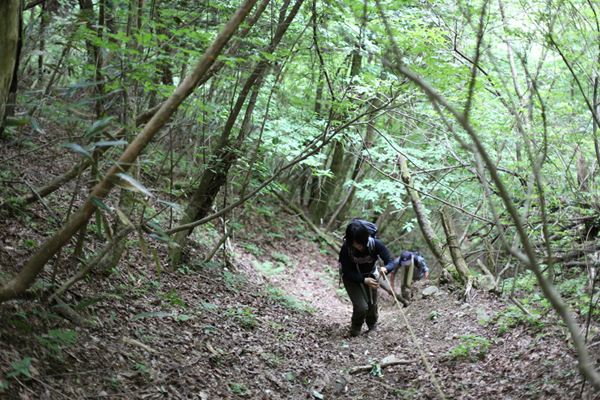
point(270, 323)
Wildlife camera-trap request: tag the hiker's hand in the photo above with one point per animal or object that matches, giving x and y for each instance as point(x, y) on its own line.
point(426, 274)
point(383, 270)
point(372, 283)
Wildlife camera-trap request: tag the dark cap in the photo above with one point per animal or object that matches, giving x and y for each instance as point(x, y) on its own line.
point(405, 258)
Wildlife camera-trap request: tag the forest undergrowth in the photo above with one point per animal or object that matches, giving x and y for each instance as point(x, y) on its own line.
point(264, 319)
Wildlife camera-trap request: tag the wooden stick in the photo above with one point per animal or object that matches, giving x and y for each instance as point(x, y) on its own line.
point(369, 367)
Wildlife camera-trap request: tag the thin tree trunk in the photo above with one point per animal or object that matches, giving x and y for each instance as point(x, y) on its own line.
point(320, 204)
point(328, 189)
point(125, 199)
point(9, 43)
point(457, 257)
point(435, 245)
point(356, 176)
point(214, 177)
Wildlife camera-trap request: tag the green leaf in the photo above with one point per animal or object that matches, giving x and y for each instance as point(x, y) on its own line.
point(98, 127)
point(113, 295)
point(128, 182)
point(80, 150)
point(35, 125)
point(87, 303)
point(163, 236)
point(174, 206)
point(150, 314)
point(47, 315)
point(99, 203)
point(111, 143)
point(107, 228)
point(183, 317)
point(98, 223)
point(142, 242)
point(9, 121)
point(83, 84)
point(124, 218)
point(158, 267)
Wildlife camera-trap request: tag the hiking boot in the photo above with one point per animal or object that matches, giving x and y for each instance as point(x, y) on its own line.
point(373, 329)
point(354, 330)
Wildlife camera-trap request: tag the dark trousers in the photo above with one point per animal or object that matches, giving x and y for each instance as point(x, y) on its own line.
point(363, 309)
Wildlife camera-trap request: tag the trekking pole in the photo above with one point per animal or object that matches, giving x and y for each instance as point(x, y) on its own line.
point(435, 382)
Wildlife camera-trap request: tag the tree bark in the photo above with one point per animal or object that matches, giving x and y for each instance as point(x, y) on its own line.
point(20, 283)
point(452, 240)
point(320, 204)
point(358, 169)
point(9, 43)
point(435, 244)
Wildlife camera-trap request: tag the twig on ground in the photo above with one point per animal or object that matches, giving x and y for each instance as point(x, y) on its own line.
point(383, 365)
point(516, 303)
point(56, 218)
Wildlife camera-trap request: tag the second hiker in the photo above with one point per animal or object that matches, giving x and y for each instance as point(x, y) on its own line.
point(412, 267)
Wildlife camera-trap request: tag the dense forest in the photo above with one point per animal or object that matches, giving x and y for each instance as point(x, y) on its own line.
point(178, 144)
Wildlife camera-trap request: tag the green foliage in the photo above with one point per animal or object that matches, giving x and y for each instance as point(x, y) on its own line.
point(233, 280)
point(268, 268)
point(237, 388)
point(472, 348)
point(283, 258)
point(244, 316)
point(376, 369)
point(526, 282)
point(141, 367)
point(434, 315)
point(58, 338)
point(253, 249)
point(272, 360)
point(19, 322)
point(204, 305)
point(174, 298)
point(21, 368)
point(513, 316)
point(287, 300)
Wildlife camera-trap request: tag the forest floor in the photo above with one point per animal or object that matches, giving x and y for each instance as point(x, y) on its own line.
point(273, 324)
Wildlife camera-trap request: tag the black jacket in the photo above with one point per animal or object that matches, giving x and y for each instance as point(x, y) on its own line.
point(365, 261)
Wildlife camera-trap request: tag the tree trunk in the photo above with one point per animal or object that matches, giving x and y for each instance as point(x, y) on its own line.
point(452, 240)
point(435, 244)
point(327, 192)
point(358, 168)
point(9, 43)
point(489, 254)
point(320, 204)
point(215, 176)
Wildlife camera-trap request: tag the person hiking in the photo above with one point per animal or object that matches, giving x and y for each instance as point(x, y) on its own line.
point(411, 265)
point(357, 259)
